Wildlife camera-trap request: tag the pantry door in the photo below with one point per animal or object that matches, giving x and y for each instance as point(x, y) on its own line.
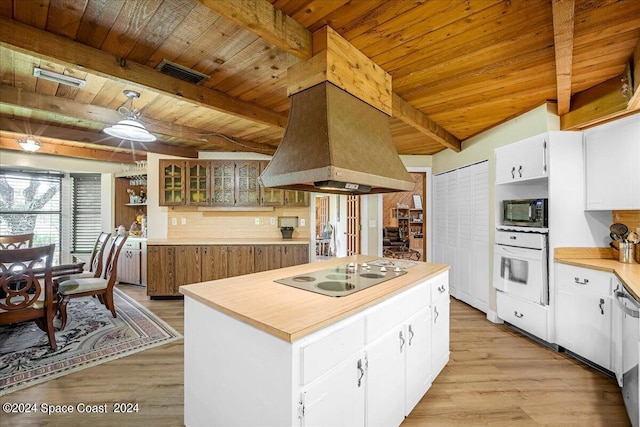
point(353, 225)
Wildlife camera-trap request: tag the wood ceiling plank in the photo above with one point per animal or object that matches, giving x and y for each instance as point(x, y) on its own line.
point(410, 28)
point(94, 84)
point(507, 53)
point(238, 63)
point(506, 76)
point(206, 45)
point(372, 14)
point(193, 26)
point(131, 22)
point(23, 71)
point(267, 22)
point(316, 10)
point(42, 44)
point(32, 12)
point(98, 18)
point(160, 28)
point(491, 25)
point(563, 14)
point(64, 17)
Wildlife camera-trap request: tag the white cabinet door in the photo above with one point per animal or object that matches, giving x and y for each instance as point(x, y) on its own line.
point(385, 379)
point(337, 398)
point(617, 318)
point(584, 325)
point(521, 161)
point(439, 334)
point(612, 155)
point(418, 358)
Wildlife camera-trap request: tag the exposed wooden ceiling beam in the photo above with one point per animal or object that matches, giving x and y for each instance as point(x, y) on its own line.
point(44, 45)
point(563, 17)
point(8, 141)
point(598, 104)
point(411, 116)
point(56, 105)
point(22, 128)
point(634, 85)
point(268, 22)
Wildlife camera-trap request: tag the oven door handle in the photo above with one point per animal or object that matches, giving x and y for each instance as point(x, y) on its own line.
point(627, 310)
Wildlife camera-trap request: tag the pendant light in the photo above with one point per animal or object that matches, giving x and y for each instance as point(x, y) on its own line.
point(30, 145)
point(130, 128)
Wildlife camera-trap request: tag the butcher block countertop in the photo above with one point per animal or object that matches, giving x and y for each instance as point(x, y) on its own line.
point(290, 313)
point(602, 259)
point(208, 241)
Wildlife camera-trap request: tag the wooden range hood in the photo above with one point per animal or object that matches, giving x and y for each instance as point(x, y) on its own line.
point(337, 139)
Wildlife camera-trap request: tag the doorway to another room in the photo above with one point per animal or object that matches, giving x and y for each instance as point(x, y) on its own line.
point(404, 221)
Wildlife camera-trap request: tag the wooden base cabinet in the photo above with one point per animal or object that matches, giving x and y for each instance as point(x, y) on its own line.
point(169, 267)
point(368, 369)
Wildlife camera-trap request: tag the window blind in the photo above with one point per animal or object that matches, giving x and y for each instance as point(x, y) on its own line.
point(86, 216)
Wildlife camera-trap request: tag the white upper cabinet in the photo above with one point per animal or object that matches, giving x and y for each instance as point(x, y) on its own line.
point(612, 163)
point(524, 160)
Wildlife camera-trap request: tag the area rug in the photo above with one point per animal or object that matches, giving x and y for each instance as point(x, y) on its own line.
point(92, 336)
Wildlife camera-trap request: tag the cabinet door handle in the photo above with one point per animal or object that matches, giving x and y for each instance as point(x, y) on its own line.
point(520, 171)
point(513, 172)
point(441, 289)
point(544, 156)
point(359, 366)
point(518, 315)
point(410, 335)
point(436, 314)
point(577, 280)
point(401, 341)
point(601, 305)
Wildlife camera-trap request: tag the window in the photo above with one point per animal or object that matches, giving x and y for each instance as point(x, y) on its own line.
point(86, 214)
point(30, 202)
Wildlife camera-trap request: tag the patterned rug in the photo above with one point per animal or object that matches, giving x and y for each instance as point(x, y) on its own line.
point(92, 336)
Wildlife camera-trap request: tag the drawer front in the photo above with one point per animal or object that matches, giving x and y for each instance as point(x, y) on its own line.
point(325, 353)
point(525, 315)
point(131, 244)
point(440, 287)
point(584, 279)
point(392, 312)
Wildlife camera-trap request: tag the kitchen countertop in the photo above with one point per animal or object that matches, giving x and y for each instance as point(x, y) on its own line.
point(602, 259)
point(290, 313)
point(208, 241)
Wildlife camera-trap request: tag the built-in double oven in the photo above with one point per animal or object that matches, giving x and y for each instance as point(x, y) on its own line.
point(520, 265)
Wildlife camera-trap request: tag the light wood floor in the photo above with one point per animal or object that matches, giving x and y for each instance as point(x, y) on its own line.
point(495, 377)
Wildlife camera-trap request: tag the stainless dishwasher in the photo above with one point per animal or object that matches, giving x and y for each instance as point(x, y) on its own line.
point(630, 343)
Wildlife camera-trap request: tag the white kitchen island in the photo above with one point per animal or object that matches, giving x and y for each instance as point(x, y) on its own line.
point(259, 353)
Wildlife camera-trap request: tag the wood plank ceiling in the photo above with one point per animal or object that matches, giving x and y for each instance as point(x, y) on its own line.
point(458, 67)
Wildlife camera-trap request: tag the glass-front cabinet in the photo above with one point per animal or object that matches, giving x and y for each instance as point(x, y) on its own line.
point(222, 183)
point(247, 185)
point(172, 188)
point(197, 183)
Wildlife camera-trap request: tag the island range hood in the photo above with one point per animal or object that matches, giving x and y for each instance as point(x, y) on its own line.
point(336, 140)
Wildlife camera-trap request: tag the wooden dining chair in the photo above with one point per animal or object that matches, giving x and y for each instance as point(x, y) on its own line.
point(27, 283)
point(102, 286)
point(16, 241)
point(96, 262)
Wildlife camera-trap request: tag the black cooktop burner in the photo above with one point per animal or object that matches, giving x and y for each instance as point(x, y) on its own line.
point(343, 280)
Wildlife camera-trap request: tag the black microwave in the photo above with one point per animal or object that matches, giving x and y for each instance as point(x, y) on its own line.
point(525, 213)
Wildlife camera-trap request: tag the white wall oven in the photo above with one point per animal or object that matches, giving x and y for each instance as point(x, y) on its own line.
point(520, 265)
